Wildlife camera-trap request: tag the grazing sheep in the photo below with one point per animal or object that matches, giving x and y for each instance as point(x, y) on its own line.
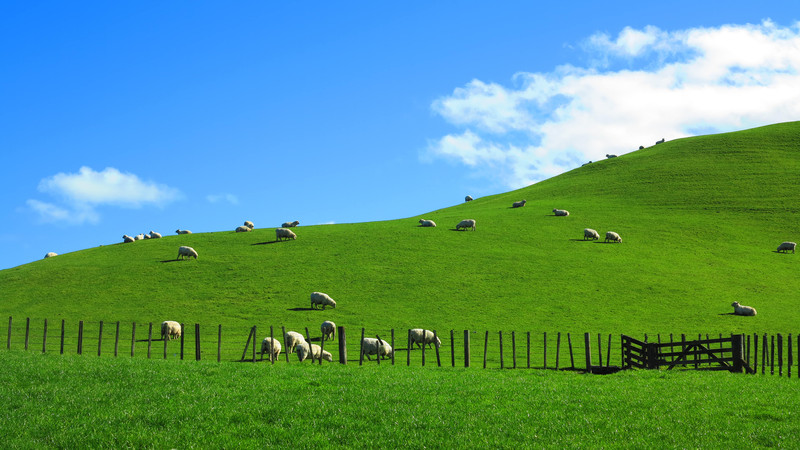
point(417, 337)
point(243, 229)
point(154, 235)
point(50, 254)
point(303, 352)
point(612, 236)
point(320, 298)
point(426, 223)
point(170, 329)
point(290, 224)
point(271, 345)
point(292, 339)
point(328, 330)
point(741, 310)
point(610, 156)
point(468, 198)
point(283, 233)
point(561, 212)
point(184, 252)
point(519, 204)
point(126, 238)
point(370, 346)
point(589, 233)
point(786, 246)
point(249, 224)
point(660, 142)
point(179, 231)
point(467, 223)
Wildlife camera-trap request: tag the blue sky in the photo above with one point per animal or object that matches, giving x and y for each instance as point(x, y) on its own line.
point(125, 117)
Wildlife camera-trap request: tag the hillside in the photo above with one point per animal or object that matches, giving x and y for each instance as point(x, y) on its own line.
point(700, 220)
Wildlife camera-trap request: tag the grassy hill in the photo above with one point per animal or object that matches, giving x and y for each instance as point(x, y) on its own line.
point(700, 220)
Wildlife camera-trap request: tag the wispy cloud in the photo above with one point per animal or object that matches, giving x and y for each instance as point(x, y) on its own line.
point(77, 195)
point(638, 87)
point(216, 198)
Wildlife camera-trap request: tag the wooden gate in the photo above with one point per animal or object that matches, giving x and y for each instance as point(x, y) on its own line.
point(703, 354)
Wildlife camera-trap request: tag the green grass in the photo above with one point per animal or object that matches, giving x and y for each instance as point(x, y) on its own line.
point(81, 402)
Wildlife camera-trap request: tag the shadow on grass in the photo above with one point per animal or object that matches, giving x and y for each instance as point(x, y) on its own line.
point(303, 309)
point(265, 243)
point(171, 260)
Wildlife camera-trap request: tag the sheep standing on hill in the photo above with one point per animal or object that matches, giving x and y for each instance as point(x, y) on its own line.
point(426, 223)
point(283, 233)
point(270, 345)
point(560, 212)
point(170, 329)
point(249, 224)
point(328, 329)
point(154, 235)
point(741, 310)
point(612, 236)
point(370, 346)
point(786, 246)
point(126, 238)
point(290, 224)
point(610, 156)
point(243, 229)
point(591, 234)
point(184, 252)
point(468, 198)
point(424, 337)
point(292, 339)
point(467, 223)
point(321, 298)
point(519, 204)
point(179, 231)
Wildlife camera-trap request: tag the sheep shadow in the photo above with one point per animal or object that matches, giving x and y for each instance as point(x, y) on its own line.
point(170, 260)
point(303, 309)
point(465, 229)
point(583, 240)
point(727, 314)
point(782, 253)
point(606, 242)
point(265, 243)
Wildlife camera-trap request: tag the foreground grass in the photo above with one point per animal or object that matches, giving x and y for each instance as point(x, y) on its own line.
point(71, 401)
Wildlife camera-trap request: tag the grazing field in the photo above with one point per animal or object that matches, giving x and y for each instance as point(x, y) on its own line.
point(82, 402)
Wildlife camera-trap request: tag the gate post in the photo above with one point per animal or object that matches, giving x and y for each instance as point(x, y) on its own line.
point(652, 356)
point(736, 341)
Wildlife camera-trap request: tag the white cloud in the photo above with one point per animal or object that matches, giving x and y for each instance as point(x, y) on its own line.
point(673, 85)
point(82, 192)
point(230, 198)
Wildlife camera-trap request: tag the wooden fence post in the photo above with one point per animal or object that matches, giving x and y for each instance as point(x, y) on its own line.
point(116, 341)
point(608, 354)
point(467, 355)
point(62, 336)
point(485, 348)
point(424, 333)
point(764, 354)
point(501, 348)
point(772, 356)
point(780, 355)
point(736, 342)
point(310, 351)
point(80, 337)
point(361, 349)
point(528, 334)
point(558, 348)
point(100, 339)
point(452, 349)
point(599, 350)
point(435, 341)
point(544, 354)
point(8, 343)
point(380, 346)
point(219, 344)
point(408, 349)
point(789, 355)
point(133, 338)
point(392, 346)
point(197, 342)
point(250, 337)
point(27, 330)
point(272, 341)
point(322, 348)
point(513, 350)
point(44, 340)
point(342, 346)
point(755, 353)
point(183, 332)
point(588, 351)
point(165, 337)
point(149, 339)
point(571, 356)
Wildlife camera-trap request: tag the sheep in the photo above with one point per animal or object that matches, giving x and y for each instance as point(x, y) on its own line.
point(146, 236)
point(586, 164)
point(612, 236)
point(290, 224)
point(179, 231)
point(417, 337)
point(303, 352)
point(370, 346)
point(184, 252)
point(468, 198)
point(154, 235)
point(561, 212)
point(426, 223)
point(741, 310)
point(610, 156)
point(170, 330)
point(320, 298)
point(139, 237)
point(243, 229)
point(589, 233)
point(641, 147)
point(270, 345)
point(519, 204)
point(292, 339)
point(466, 223)
point(283, 233)
point(126, 238)
point(786, 246)
point(660, 142)
point(328, 329)
point(50, 255)
point(249, 224)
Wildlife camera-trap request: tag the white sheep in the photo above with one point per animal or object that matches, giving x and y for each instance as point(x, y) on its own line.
point(154, 235)
point(290, 224)
point(468, 198)
point(467, 223)
point(271, 345)
point(741, 310)
point(786, 246)
point(249, 224)
point(519, 204)
point(126, 238)
point(303, 352)
point(660, 142)
point(179, 231)
point(589, 233)
point(370, 346)
point(426, 223)
point(283, 233)
point(50, 254)
point(612, 236)
point(243, 229)
point(184, 252)
point(328, 329)
point(292, 339)
point(320, 298)
point(610, 156)
point(560, 212)
point(170, 329)
point(146, 236)
point(417, 337)
point(139, 237)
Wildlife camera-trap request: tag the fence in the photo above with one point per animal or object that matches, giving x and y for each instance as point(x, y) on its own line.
point(593, 353)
